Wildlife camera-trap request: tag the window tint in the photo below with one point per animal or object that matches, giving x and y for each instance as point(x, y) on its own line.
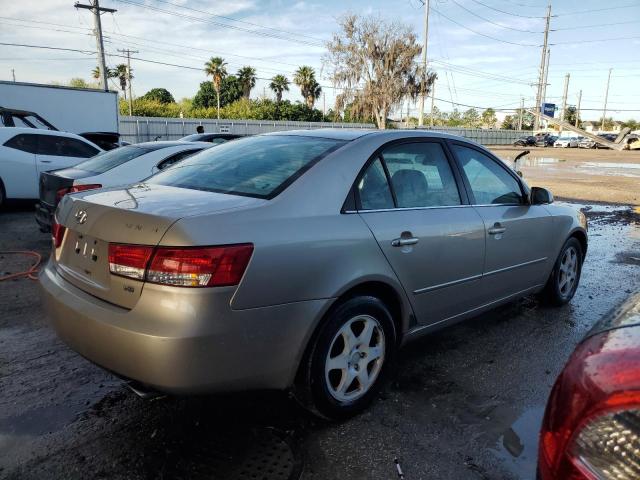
point(64, 147)
point(421, 175)
point(373, 188)
point(490, 183)
point(105, 161)
point(173, 159)
point(25, 142)
point(259, 166)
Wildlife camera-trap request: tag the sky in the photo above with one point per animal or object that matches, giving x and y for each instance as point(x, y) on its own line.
point(486, 52)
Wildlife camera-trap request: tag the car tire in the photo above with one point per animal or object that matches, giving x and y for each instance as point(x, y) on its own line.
point(565, 277)
point(3, 197)
point(348, 359)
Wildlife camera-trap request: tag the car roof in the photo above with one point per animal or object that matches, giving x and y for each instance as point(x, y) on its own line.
point(354, 134)
point(12, 131)
point(169, 143)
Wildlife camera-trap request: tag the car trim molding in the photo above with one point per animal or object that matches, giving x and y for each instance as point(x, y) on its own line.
point(513, 267)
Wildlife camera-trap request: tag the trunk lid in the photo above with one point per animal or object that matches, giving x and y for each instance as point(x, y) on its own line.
point(139, 215)
point(51, 182)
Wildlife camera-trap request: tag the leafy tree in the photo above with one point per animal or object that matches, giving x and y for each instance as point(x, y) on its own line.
point(510, 122)
point(489, 118)
point(122, 74)
point(305, 78)
point(216, 68)
point(279, 84)
point(374, 61)
point(632, 124)
point(161, 95)
point(247, 79)
point(207, 96)
point(570, 114)
point(471, 119)
point(95, 73)
point(78, 83)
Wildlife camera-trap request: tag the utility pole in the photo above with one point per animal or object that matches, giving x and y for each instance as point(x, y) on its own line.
point(578, 109)
point(546, 77)
point(97, 11)
point(128, 53)
point(564, 98)
point(521, 113)
point(423, 87)
point(13, 74)
point(324, 106)
point(606, 97)
point(433, 92)
point(541, 77)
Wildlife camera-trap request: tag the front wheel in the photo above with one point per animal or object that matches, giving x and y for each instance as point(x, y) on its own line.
point(564, 279)
point(348, 360)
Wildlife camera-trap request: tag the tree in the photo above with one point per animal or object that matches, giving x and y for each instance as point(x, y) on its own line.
point(247, 78)
point(95, 73)
point(161, 95)
point(489, 118)
point(570, 114)
point(279, 84)
point(305, 78)
point(207, 97)
point(510, 122)
point(375, 63)
point(123, 75)
point(471, 119)
point(216, 67)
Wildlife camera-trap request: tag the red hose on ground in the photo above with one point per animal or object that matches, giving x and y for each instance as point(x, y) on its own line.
point(31, 273)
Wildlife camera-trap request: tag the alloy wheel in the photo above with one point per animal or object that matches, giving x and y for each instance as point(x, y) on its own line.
point(568, 274)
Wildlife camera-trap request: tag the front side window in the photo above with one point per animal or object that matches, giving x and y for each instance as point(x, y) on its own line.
point(373, 188)
point(64, 147)
point(260, 166)
point(490, 183)
point(24, 142)
point(421, 175)
point(105, 161)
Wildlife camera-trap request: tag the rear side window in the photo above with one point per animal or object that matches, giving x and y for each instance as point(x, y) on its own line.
point(490, 183)
point(373, 188)
point(64, 147)
point(105, 161)
point(24, 142)
point(259, 166)
point(175, 158)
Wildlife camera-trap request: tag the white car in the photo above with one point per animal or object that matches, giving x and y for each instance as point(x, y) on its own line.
point(121, 166)
point(566, 142)
point(26, 152)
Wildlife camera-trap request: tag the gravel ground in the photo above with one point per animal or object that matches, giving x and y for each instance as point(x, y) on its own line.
point(464, 403)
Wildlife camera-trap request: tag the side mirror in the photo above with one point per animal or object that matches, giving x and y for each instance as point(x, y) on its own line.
point(540, 196)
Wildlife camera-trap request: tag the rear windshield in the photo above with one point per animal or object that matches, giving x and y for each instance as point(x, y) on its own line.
point(107, 160)
point(259, 167)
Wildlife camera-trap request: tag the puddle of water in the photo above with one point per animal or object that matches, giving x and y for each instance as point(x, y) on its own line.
point(622, 166)
point(518, 445)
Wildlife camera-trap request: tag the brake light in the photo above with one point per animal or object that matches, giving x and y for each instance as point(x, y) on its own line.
point(591, 428)
point(181, 266)
point(129, 260)
point(75, 188)
point(57, 233)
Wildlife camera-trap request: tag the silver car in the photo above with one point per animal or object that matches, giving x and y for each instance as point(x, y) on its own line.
point(301, 260)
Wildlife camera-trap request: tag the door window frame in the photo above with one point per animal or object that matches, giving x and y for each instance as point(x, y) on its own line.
point(467, 185)
point(352, 203)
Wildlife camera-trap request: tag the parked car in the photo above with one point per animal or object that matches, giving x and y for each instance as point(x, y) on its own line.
point(566, 142)
point(587, 143)
point(25, 152)
point(123, 165)
point(546, 141)
point(210, 137)
point(592, 421)
point(301, 260)
point(525, 141)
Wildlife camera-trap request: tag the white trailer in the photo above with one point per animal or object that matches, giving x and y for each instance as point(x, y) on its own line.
point(75, 110)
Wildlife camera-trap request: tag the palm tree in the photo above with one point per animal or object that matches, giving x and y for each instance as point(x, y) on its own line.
point(305, 78)
point(95, 73)
point(216, 67)
point(279, 84)
point(247, 78)
point(123, 75)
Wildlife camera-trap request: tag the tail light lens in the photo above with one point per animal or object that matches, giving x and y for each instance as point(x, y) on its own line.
point(591, 428)
point(75, 188)
point(57, 233)
point(181, 266)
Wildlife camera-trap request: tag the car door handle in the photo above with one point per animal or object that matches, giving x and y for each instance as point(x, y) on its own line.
point(401, 242)
point(45, 161)
point(496, 229)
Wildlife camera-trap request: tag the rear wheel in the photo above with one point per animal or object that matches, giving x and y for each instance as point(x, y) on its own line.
point(564, 279)
point(348, 360)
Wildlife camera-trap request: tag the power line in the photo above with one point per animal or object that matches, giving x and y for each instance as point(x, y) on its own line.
point(503, 11)
point(579, 42)
point(594, 26)
point(91, 52)
point(595, 10)
point(483, 34)
point(492, 22)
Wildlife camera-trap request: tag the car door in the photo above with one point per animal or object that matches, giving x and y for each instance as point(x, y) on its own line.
point(518, 235)
point(18, 166)
point(55, 152)
point(409, 196)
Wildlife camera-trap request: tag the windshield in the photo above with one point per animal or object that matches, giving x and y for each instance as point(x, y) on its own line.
point(107, 160)
point(192, 138)
point(259, 166)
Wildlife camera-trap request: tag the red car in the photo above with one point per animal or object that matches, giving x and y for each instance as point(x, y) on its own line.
point(591, 427)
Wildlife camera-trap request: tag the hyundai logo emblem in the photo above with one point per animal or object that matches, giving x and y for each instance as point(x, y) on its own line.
point(81, 216)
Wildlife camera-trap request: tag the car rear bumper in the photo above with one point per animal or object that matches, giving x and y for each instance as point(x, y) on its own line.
point(44, 217)
point(184, 341)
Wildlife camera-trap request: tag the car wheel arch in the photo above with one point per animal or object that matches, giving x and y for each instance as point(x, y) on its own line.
point(582, 238)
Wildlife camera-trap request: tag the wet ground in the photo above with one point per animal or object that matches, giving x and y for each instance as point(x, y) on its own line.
point(464, 403)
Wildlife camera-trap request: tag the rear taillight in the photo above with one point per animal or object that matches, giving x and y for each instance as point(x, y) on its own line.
point(591, 428)
point(75, 188)
point(181, 266)
point(57, 233)
point(129, 260)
